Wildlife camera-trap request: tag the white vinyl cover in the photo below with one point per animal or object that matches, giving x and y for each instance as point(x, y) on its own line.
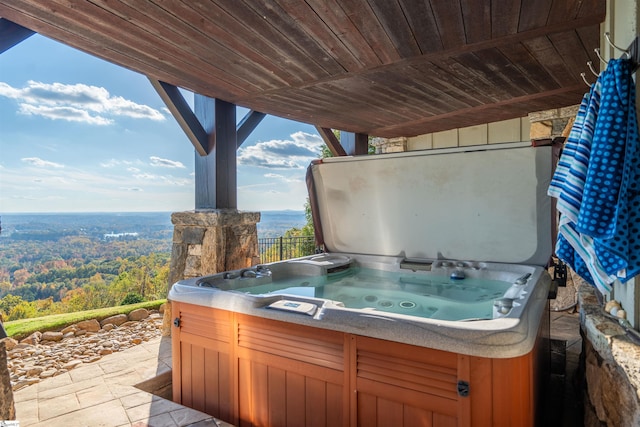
point(481, 205)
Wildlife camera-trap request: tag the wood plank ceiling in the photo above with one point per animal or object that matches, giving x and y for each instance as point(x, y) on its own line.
point(381, 67)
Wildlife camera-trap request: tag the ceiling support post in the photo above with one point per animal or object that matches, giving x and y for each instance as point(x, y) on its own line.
point(354, 144)
point(11, 34)
point(215, 173)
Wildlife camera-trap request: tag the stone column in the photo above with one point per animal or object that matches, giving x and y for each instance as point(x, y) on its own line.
point(7, 408)
point(209, 241)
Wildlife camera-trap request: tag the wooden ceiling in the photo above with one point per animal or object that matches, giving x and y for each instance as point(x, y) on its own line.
point(381, 67)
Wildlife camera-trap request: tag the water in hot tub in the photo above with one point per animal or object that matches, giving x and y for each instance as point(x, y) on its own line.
point(415, 294)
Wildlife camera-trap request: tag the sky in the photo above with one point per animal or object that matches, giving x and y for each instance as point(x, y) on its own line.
point(79, 134)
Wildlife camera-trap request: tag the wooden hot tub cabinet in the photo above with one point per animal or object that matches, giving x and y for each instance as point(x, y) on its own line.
point(252, 371)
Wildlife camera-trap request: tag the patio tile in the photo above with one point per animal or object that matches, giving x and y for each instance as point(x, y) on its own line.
point(212, 422)
point(94, 396)
point(54, 407)
point(55, 382)
point(27, 393)
point(157, 406)
point(70, 388)
point(186, 416)
point(86, 372)
point(27, 412)
point(104, 415)
point(136, 399)
point(162, 420)
point(121, 390)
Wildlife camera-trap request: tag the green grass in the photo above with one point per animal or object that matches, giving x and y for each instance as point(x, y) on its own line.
point(19, 329)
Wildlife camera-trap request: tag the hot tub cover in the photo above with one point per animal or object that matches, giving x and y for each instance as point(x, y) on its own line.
point(488, 203)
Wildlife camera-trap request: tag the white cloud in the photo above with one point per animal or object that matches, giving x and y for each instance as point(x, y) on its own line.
point(295, 153)
point(78, 102)
point(38, 162)
point(283, 178)
point(165, 163)
point(153, 179)
point(69, 114)
point(111, 163)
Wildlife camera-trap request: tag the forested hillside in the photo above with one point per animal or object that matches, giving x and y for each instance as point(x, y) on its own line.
point(80, 262)
point(58, 263)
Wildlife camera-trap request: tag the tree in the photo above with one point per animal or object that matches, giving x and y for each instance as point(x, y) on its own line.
point(8, 303)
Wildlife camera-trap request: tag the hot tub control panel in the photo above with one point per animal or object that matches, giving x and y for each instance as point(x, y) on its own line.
point(294, 306)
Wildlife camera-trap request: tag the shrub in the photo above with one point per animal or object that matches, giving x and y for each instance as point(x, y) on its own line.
point(132, 299)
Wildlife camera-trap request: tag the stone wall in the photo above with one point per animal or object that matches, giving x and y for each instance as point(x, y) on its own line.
point(611, 358)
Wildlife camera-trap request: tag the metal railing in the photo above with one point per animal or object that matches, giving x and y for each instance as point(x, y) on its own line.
point(280, 248)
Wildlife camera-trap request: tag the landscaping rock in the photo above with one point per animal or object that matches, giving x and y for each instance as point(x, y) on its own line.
point(32, 363)
point(32, 339)
point(138, 314)
point(52, 336)
point(116, 320)
point(9, 343)
point(128, 324)
point(72, 364)
point(88, 325)
point(69, 329)
point(48, 373)
point(35, 371)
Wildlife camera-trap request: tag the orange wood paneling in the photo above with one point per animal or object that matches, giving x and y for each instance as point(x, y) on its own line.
point(390, 412)
point(277, 395)
point(245, 409)
point(417, 417)
point(296, 410)
point(259, 394)
point(367, 410)
point(315, 402)
point(512, 392)
point(480, 381)
point(260, 372)
point(440, 420)
point(464, 402)
point(336, 416)
point(176, 359)
point(186, 374)
point(198, 394)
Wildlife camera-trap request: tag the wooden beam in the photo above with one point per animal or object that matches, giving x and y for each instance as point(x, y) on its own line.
point(354, 144)
point(248, 124)
point(215, 173)
point(332, 142)
point(11, 34)
point(183, 114)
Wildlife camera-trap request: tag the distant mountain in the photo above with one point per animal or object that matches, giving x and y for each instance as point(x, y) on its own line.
point(275, 223)
point(155, 225)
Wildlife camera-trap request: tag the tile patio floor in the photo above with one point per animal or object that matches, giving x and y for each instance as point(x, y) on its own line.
point(104, 394)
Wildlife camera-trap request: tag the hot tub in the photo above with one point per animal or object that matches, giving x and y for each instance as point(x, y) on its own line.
point(420, 313)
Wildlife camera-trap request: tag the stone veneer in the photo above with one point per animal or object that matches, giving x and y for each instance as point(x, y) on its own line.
point(611, 361)
point(209, 241)
point(7, 407)
point(389, 145)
